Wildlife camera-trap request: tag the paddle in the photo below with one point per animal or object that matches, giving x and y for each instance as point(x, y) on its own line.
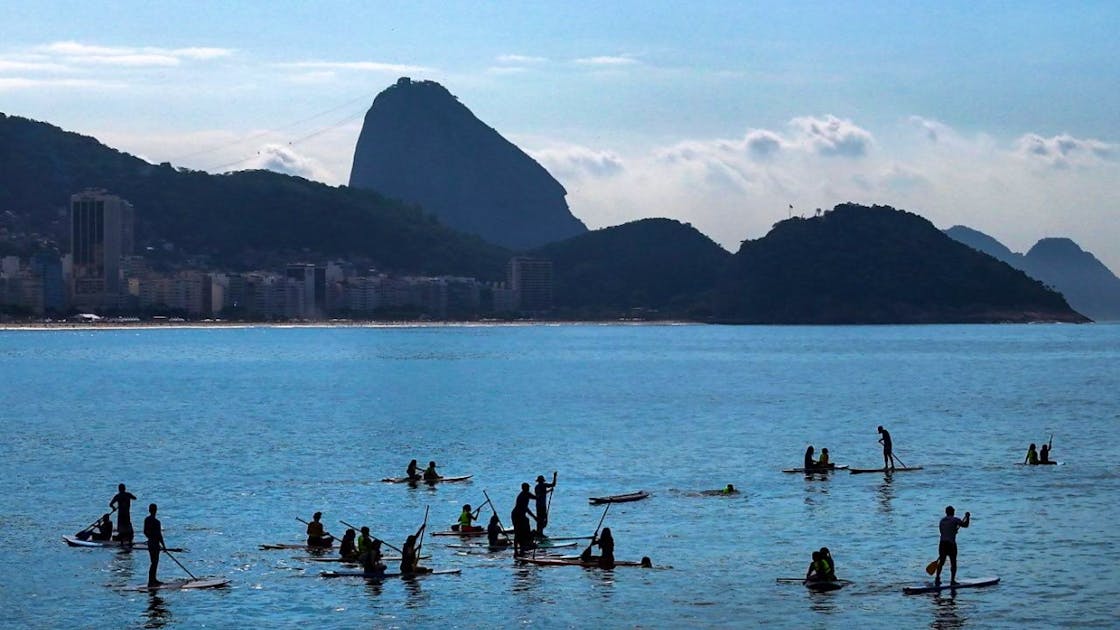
point(177, 561)
point(895, 457)
point(496, 514)
point(325, 532)
point(931, 568)
point(420, 545)
point(94, 524)
point(548, 510)
point(358, 529)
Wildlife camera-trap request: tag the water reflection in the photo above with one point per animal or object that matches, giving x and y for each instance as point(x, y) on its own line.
point(415, 596)
point(821, 602)
point(157, 613)
point(815, 492)
point(525, 579)
point(374, 587)
point(886, 493)
point(945, 614)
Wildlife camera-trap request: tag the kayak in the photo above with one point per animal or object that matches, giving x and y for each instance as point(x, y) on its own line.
point(430, 482)
point(571, 562)
point(856, 471)
point(275, 546)
point(823, 586)
point(619, 498)
point(182, 585)
point(109, 544)
point(816, 470)
point(387, 574)
point(930, 587)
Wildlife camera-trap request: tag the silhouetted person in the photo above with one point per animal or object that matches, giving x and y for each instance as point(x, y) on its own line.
point(410, 558)
point(888, 455)
point(1032, 455)
point(347, 549)
point(1044, 455)
point(104, 528)
point(947, 548)
point(541, 491)
point(605, 542)
point(494, 533)
point(413, 471)
point(371, 558)
point(730, 489)
point(122, 501)
point(823, 462)
point(809, 464)
point(430, 473)
point(316, 534)
point(154, 533)
point(818, 569)
point(522, 530)
point(826, 555)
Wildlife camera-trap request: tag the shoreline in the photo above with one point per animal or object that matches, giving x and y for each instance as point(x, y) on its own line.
point(35, 326)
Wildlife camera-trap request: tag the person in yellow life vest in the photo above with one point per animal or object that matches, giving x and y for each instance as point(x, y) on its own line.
point(1032, 456)
point(369, 553)
point(730, 489)
point(316, 535)
point(430, 473)
point(823, 461)
point(829, 564)
point(467, 518)
point(818, 569)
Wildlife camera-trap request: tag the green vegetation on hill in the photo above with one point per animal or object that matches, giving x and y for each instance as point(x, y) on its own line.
point(238, 220)
point(866, 265)
point(661, 266)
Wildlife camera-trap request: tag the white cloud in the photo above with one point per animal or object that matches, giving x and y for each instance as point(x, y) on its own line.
point(23, 83)
point(573, 162)
point(1064, 151)
point(361, 66)
point(607, 60)
point(14, 65)
point(284, 159)
point(127, 56)
point(832, 136)
point(520, 59)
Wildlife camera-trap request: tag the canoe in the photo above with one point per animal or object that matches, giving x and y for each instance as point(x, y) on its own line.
point(823, 586)
point(545, 561)
point(387, 574)
point(816, 470)
point(444, 479)
point(619, 498)
point(856, 471)
point(930, 587)
point(276, 546)
point(110, 544)
point(182, 585)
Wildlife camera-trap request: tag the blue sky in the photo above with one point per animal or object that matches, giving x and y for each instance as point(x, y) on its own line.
point(1002, 116)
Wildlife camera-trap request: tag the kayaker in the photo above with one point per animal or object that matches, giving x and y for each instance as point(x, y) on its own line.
point(316, 535)
point(430, 473)
point(541, 491)
point(466, 518)
point(122, 502)
point(104, 528)
point(1032, 455)
point(1044, 454)
point(494, 533)
point(413, 471)
point(818, 569)
point(371, 559)
point(410, 560)
point(830, 565)
point(605, 542)
point(947, 547)
point(522, 530)
point(888, 448)
point(823, 461)
point(809, 462)
point(154, 533)
point(347, 549)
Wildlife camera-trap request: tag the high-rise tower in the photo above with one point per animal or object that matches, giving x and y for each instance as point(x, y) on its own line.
point(100, 233)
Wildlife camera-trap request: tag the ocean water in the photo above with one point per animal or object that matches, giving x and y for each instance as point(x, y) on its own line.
point(236, 432)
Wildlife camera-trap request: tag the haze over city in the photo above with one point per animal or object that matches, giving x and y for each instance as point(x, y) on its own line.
point(1000, 117)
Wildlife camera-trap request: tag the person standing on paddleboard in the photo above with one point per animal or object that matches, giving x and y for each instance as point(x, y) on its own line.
point(522, 531)
point(888, 456)
point(541, 491)
point(154, 533)
point(947, 548)
point(122, 502)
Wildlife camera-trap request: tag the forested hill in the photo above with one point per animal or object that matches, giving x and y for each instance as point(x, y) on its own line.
point(238, 220)
point(661, 266)
point(876, 265)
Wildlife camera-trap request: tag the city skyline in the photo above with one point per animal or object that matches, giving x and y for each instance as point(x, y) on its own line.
point(1000, 118)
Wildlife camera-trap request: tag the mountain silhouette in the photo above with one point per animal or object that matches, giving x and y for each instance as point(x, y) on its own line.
point(421, 145)
point(876, 265)
point(241, 220)
point(1087, 284)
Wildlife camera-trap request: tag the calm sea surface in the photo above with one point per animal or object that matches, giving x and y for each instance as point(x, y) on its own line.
point(236, 432)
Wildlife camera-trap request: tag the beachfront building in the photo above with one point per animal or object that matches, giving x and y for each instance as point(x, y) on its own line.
point(531, 281)
point(100, 234)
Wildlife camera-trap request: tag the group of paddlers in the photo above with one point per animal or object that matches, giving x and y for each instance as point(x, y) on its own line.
point(428, 474)
point(1037, 457)
point(359, 545)
point(101, 530)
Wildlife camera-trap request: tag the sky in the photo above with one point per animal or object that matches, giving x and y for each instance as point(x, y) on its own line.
point(1002, 116)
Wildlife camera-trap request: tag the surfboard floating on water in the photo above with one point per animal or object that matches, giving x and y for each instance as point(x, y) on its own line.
point(183, 585)
point(856, 471)
point(619, 498)
point(930, 587)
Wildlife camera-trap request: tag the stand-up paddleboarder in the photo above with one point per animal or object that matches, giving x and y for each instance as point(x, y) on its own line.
point(154, 533)
point(888, 456)
point(947, 547)
point(122, 503)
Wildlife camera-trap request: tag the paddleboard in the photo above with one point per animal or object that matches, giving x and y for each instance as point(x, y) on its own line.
point(575, 562)
point(276, 546)
point(387, 574)
point(856, 471)
point(816, 470)
point(619, 498)
point(110, 544)
point(822, 586)
point(444, 479)
point(183, 585)
point(353, 560)
point(930, 587)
